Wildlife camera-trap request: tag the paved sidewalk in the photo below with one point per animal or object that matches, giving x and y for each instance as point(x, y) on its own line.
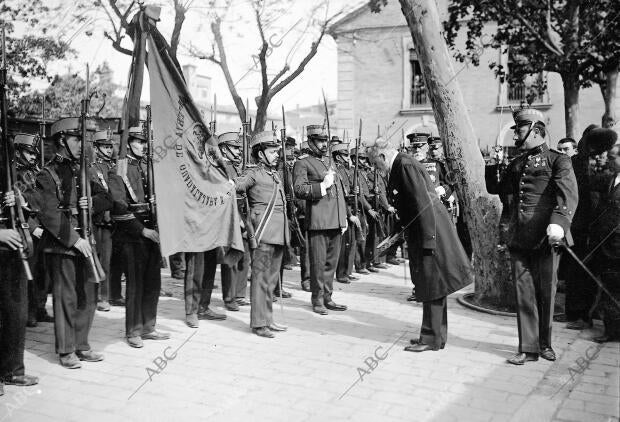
point(344, 366)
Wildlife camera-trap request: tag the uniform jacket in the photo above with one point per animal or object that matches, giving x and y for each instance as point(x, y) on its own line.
point(327, 212)
point(27, 178)
point(130, 212)
point(58, 212)
point(437, 172)
point(258, 183)
point(605, 229)
point(99, 174)
point(447, 269)
point(544, 191)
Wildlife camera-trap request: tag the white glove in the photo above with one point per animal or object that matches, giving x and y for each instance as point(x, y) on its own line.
point(391, 210)
point(555, 233)
point(328, 180)
point(440, 190)
point(37, 232)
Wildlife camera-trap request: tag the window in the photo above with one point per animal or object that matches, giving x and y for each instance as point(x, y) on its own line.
point(528, 90)
point(419, 94)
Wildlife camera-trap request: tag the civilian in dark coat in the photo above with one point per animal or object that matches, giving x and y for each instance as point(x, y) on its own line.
point(438, 263)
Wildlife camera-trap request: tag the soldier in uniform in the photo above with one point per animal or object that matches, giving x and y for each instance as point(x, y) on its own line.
point(26, 159)
point(99, 173)
point(326, 217)
point(13, 305)
point(300, 205)
point(366, 212)
point(138, 243)
point(234, 277)
point(267, 201)
point(66, 253)
point(544, 190)
point(346, 260)
point(376, 230)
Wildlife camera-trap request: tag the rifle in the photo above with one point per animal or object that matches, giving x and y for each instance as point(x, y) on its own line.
point(329, 136)
point(296, 233)
point(213, 122)
point(83, 188)
point(15, 213)
point(42, 134)
point(249, 227)
point(356, 179)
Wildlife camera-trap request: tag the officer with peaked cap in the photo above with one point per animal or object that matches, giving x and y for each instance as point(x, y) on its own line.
point(26, 159)
point(99, 174)
point(418, 143)
point(65, 251)
point(267, 202)
point(326, 216)
point(138, 242)
point(544, 189)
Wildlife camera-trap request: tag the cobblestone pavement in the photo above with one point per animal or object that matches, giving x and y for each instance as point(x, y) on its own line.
point(344, 366)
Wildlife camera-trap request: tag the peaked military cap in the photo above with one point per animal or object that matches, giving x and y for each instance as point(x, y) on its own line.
point(69, 125)
point(102, 137)
point(266, 138)
point(229, 138)
point(418, 138)
point(136, 132)
point(434, 140)
point(316, 131)
point(362, 152)
point(527, 115)
point(341, 148)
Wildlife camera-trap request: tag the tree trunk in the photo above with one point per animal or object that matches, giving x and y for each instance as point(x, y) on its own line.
point(493, 282)
point(261, 115)
point(571, 104)
point(608, 89)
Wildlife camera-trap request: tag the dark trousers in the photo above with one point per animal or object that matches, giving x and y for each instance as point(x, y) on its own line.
point(200, 270)
point(535, 275)
point(266, 264)
point(142, 265)
point(13, 314)
point(360, 253)
point(236, 276)
point(324, 253)
point(103, 237)
point(434, 331)
point(116, 271)
point(580, 289)
point(74, 301)
point(304, 257)
point(347, 254)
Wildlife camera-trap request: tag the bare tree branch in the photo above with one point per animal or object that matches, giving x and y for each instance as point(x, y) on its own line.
point(262, 56)
point(179, 17)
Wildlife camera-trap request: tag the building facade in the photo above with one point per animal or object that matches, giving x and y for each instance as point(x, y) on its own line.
point(380, 82)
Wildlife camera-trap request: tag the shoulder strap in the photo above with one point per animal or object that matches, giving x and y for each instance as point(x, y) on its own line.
point(56, 180)
point(267, 214)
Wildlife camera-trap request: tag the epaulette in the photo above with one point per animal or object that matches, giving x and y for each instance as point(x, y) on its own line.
point(302, 156)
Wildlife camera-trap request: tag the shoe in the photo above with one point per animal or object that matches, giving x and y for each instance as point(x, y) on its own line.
point(231, 306)
point(263, 332)
point(362, 271)
point(117, 302)
point(103, 306)
point(210, 314)
point(70, 361)
point(332, 306)
point(305, 286)
point(372, 270)
point(288, 267)
point(344, 280)
point(285, 294)
point(191, 321)
point(521, 358)
point(21, 380)
point(352, 277)
point(380, 266)
point(135, 341)
point(421, 347)
point(241, 301)
point(155, 335)
point(277, 327)
point(318, 309)
point(412, 297)
point(548, 354)
point(31, 321)
point(89, 355)
point(393, 261)
point(415, 341)
point(43, 316)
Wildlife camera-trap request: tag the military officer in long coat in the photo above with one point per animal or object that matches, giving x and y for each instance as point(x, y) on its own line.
point(326, 216)
point(438, 263)
point(544, 190)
